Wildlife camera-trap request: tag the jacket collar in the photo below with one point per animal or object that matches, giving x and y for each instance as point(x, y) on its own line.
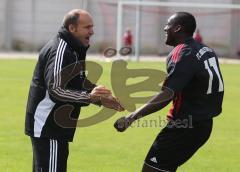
point(74, 43)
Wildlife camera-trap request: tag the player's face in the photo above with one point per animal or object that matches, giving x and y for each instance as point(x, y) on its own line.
point(84, 30)
point(170, 31)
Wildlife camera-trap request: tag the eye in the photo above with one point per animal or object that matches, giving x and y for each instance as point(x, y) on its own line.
point(166, 25)
point(89, 27)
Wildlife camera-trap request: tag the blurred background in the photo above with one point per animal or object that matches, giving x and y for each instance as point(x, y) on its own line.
point(27, 24)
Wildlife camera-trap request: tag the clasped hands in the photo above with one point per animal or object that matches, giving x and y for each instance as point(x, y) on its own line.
point(103, 96)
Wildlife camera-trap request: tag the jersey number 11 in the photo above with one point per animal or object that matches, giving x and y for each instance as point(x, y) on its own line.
point(213, 64)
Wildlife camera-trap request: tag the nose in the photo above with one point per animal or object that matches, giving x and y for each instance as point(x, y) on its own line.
point(91, 31)
point(165, 29)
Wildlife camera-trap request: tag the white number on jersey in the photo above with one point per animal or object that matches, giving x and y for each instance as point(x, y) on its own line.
point(213, 64)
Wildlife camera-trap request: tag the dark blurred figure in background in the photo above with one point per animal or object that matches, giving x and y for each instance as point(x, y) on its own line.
point(128, 38)
point(198, 37)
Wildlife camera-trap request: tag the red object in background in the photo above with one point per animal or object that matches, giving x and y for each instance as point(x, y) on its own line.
point(198, 36)
point(128, 38)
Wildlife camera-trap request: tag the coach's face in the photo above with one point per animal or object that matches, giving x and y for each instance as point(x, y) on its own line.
point(171, 29)
point(84, 29)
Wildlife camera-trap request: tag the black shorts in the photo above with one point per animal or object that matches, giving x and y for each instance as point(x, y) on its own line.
point(49, 155)
point(174, 145)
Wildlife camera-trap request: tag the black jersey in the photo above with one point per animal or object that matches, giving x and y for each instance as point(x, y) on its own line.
point(48, 92)
point(195, 77)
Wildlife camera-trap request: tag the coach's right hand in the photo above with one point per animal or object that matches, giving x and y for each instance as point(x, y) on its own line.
point(112, 103)
point(100, 95)
point(107, 101)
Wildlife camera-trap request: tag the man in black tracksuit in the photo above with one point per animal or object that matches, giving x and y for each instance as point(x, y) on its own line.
point(195, 86)
point(55, 84)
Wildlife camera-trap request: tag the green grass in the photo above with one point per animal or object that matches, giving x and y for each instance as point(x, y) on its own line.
point(100, 148)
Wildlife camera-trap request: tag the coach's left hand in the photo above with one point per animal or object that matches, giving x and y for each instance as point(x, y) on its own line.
point(101, 90)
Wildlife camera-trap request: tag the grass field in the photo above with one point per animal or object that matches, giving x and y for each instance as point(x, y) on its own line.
point(100, 148)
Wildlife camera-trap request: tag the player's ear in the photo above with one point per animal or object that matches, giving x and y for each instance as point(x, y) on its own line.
point(177, 28)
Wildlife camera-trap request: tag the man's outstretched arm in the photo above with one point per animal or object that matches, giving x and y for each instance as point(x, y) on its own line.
point(158, 102)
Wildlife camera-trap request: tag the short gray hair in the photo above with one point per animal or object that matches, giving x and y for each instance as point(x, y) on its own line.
point(71, 18)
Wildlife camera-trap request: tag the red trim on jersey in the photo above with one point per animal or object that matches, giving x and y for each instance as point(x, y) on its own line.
point(176, 53)
point(178, 99)
point(177, 102)
point(170, 113)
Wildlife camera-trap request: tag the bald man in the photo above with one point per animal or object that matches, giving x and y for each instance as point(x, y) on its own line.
point(55, 86)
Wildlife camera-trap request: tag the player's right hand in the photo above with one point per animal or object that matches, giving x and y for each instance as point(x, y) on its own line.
point(122, 124)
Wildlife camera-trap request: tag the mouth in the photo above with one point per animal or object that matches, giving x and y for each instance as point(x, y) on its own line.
point(166, 34)
point(87, 39)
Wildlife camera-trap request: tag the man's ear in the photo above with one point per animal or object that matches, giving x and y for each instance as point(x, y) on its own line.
point(72, 28)
point(177, 28)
